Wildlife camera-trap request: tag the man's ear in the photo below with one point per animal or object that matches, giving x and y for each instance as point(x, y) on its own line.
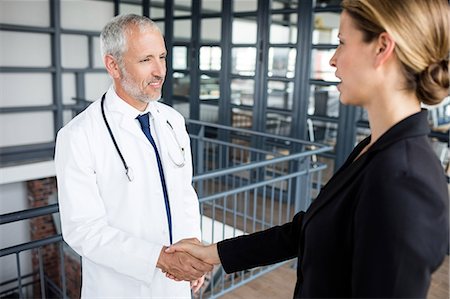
point(385, 47)
point(111, 66)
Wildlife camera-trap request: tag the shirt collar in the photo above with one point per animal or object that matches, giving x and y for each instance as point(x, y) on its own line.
point(116, 103)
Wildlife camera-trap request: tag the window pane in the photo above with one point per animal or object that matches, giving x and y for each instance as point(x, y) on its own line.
point(179, 58)
point(209, 88)
point(290, 4)
point(240, 5)
point(320, 66)
point(325, 3)
point(211, 6)
point(282, 62)
point(126, 8)
point(94, 14)
point(326, 28)
point(210, 58)
point(181, 84)
point(241, 118)
point(156, 12)
point(15, 49)
point(30, 13)
point(242, 92)
point(280, 94)
point(182, 29)
point(244, 31)
point(209, 112)
point(182, 7)
point(211, 30)
point(243, 61)
point(283, 29)
point(38, 89)
point(324, 101)
point(278, 124)
point(74, 51)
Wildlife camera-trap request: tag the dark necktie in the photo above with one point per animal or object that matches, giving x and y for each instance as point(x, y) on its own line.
point(145, 125)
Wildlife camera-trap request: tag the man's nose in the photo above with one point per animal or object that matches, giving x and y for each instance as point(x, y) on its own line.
point(159, 68)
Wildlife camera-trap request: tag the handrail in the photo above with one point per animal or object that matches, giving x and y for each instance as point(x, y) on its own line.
point(29, 213)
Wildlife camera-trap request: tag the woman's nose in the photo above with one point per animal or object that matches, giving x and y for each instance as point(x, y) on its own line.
point(332, 61)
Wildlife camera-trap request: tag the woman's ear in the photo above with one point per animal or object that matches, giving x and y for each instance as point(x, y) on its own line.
point(385, 46)
point(112, 66)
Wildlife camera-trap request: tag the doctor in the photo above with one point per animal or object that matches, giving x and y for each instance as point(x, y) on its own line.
point(124, 175)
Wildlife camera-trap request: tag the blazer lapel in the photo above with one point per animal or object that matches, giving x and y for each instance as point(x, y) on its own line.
point(339, 180)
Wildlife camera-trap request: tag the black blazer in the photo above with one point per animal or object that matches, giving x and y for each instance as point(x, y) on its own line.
point(378, 228)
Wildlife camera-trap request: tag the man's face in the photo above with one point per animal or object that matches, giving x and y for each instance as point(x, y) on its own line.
point(143, 65)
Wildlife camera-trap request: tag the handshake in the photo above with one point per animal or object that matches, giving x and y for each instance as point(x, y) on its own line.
point(188, 260)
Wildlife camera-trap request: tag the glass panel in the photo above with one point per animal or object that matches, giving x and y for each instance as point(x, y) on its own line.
point(74, 51)
point(283, 29)
point(241, 118)
point(243, 61)
point(98, 59)
point(242, 91)
point(96, 84)
point(209, 112)
point(15, 49)
point(126, 8)
point(284, 4)
point(211, 6)
point(326, 28)
point(156, 11)
point(325, 3)
point(239, 5)
point(278, 124)
point(280, 94)
point(182, 8)
point(324, 101)
point(95, 14)
point(282, 62)
point(15, 128)
point(320, 66)
point(38, 89)
point(182, 29)
point(211, 30)
point(179, 58)
point(244, 31)
point(30, 13)
point(68, 88)
point(209, 88)
point(161, 26)
point(210, 58)
point(181, 83)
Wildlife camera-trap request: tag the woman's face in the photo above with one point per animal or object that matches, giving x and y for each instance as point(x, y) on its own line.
point(354, 63)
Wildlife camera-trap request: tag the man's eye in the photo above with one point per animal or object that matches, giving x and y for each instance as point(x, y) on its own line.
point(145, 60)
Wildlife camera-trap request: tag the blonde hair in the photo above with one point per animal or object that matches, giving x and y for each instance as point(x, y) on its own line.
point(420, 29)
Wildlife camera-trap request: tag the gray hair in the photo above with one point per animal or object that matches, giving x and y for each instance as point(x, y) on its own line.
point(113, 36)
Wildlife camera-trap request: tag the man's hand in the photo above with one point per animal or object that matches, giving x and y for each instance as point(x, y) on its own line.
point(182, 265)
point(206, 253)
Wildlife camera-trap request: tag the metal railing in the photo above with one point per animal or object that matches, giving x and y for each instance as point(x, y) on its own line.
point(246, 182)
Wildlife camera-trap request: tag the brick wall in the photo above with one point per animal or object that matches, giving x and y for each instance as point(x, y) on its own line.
point(39, 192)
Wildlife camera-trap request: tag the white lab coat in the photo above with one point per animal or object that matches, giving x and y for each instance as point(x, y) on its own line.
point(117, 226)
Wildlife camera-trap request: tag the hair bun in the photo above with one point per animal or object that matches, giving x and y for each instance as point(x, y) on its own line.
point(433, 83)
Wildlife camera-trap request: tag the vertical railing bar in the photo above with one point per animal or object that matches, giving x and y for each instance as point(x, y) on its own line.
point(63, 272)
point(272, 204)
point(255, 210)
point(41, 273)
point(288, 199)
point(19, 280)
point(263, 224)
point(245, 210)
point(280, 210)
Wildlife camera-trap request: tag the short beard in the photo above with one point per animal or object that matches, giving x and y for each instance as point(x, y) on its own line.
point(132, 89)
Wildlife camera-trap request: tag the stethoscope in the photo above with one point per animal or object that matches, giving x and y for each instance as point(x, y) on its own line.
point(128, 170)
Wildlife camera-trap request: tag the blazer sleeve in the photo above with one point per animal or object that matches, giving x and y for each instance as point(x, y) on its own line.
point(84, 221)
point(262, 248)
point(400, 233)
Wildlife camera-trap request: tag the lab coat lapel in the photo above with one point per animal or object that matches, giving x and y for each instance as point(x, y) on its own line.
point(160, 131)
